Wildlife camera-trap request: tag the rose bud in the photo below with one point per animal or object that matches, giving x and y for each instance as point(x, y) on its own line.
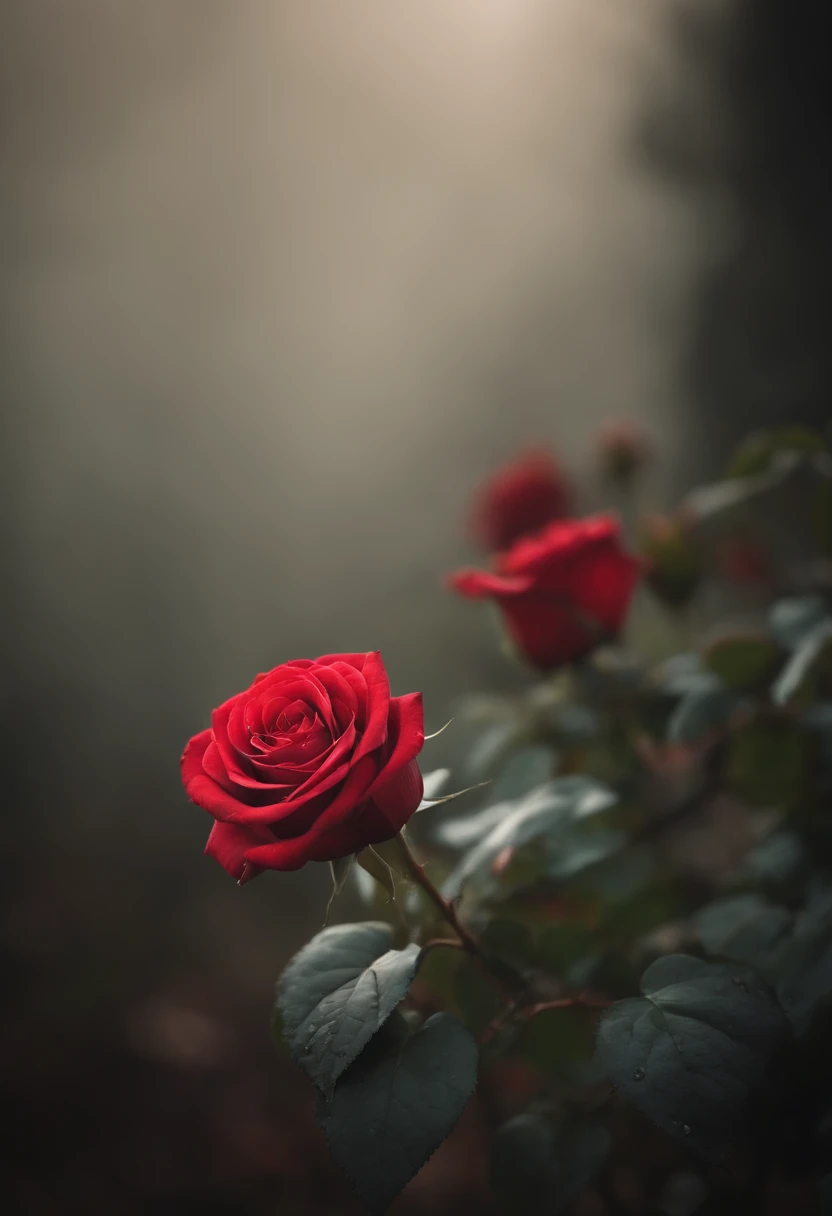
point(673, 562)
point(519, 500)
point(623, 450)
point(311, 763)
point(561, 593)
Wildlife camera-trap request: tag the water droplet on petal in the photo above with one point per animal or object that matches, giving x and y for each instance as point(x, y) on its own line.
point(639, 1074)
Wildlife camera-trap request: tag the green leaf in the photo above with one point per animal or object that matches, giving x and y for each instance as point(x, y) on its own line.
point(790, 620)
point(742, 661)
point(743, 928)
point(767, 763)
point(777, 859)
point(572, 725)
point(465, 830)
point(756, 453)
point(804, 965)
point(692, 1053)
point(572, 852)
point(703, 709)
point(337, 992)
point(536, 1169)
point(611, 674)
point(812, 654)
point(397, 1104)
point(492, 746)
point(553, 807)
point(528, 768)
point(805, 977)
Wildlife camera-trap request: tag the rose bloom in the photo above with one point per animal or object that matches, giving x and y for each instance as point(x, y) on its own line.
point(519, 499)
point(561, 593)
point(311, 763)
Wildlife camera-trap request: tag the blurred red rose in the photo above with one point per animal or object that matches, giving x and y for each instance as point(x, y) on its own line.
point(520, 499)
point(562, 592)
point(313, 762)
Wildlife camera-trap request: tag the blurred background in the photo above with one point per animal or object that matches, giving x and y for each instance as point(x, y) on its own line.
point(280, 284)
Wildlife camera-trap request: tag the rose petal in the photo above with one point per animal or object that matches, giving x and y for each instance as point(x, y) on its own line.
point(406, 737)
point(378, 705)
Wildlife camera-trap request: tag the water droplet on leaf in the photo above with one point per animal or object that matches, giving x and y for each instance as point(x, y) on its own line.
point(639, 1074)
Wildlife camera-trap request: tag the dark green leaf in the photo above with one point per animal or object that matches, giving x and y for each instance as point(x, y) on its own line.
point(465, 830)
point(755, 454)
point(492, 746)
point(813, 653)
point(768, 763)
point(572, 725)
point(693, 1052)
point(744, 928)
point(777, 859)
point(537, 1170)
point(805, 977)
point(742, 661)
point(681, 674)
point(397, 1104)
point(804, 965)
point(572, 851)
point(705, 708)
point(338, 991)
point(791, 620)
point(553, 807)
point(526, 769)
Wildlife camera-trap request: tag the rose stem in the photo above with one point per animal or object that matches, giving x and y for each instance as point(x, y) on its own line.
point(583, 1001)
point(468, 943)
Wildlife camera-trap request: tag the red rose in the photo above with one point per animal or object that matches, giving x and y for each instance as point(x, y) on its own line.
point(313, 762)
point(562, 592)
point(520, 499)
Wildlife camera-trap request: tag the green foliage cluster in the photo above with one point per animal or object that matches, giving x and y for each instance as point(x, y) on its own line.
point(628, 931)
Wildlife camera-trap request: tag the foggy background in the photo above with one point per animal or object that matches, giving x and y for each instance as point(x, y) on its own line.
point(281, 282)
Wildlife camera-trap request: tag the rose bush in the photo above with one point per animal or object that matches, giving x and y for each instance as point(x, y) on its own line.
point(520, 499)
point(560, 592)
point(313, 762)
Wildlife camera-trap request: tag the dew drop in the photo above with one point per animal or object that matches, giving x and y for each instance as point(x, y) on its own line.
point(639, 1074)
point(685, 1129)
point(740, 983)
